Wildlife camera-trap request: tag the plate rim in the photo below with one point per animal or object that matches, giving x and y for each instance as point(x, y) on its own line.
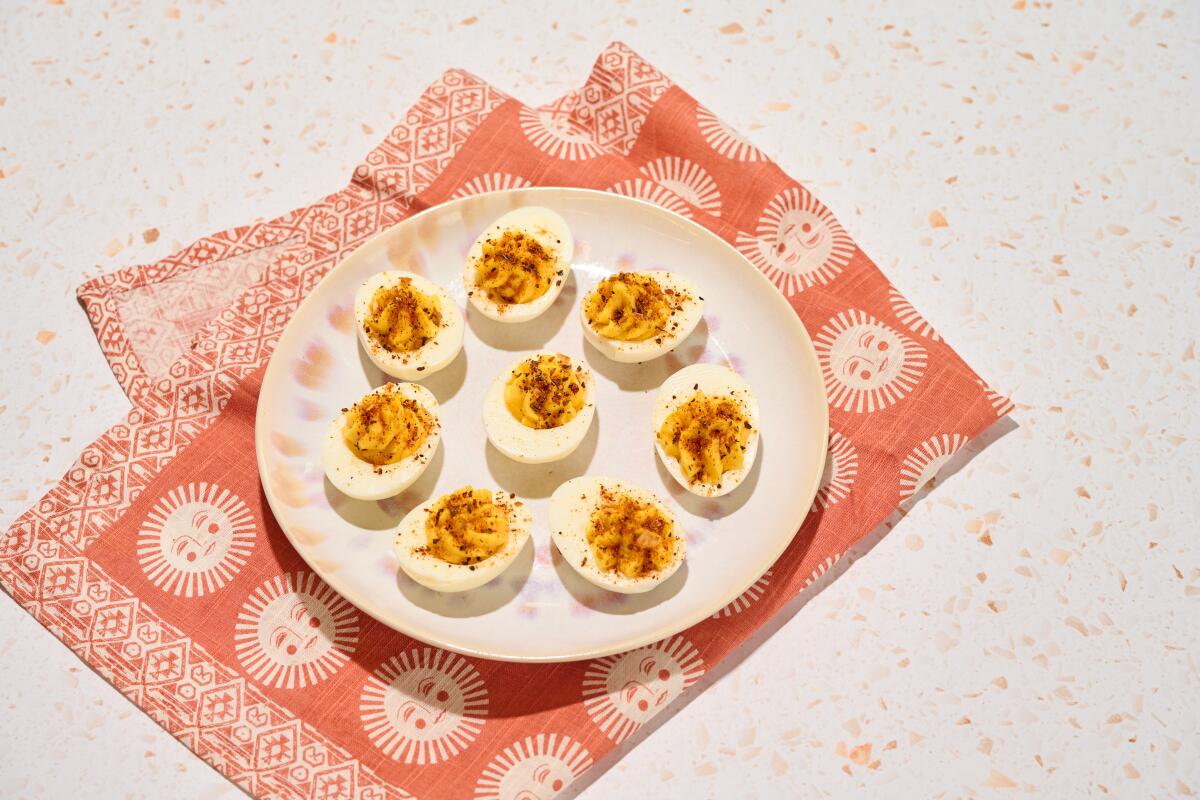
point(430, 637)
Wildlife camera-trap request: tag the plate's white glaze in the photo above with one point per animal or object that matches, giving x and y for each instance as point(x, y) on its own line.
point(539, 609)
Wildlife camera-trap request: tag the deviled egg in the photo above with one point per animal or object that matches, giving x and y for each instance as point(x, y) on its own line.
point(408, 325)
point(462, 540)
point(379, 446)
point(540, 409)
point(517, 267)
point(632, 317)
point(706, 428)
point(616, 535)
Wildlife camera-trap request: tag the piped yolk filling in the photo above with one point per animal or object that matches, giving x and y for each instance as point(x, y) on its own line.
point(707, 435)
point(515, 268)
point(402, 318)
point(466, 527)
point(545, 392)
point(385, 428)
point(631, 307)
point(630, 537)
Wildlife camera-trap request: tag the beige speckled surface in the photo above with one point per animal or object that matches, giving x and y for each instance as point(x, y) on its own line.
point(1026, 174)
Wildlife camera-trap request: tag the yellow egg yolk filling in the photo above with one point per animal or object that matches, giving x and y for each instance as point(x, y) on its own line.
point(466, 527)
point(401, 318)
point(545, 392)
point(385, 428)
point(631, 307)
point(515, 268)
point(631, 537)
point(707, 435)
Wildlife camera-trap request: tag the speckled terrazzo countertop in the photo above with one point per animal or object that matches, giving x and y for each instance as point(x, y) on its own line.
point(1025, 173)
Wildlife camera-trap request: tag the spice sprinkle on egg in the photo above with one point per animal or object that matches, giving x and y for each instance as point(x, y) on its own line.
point(616, 535)
point(632, 317)
point(463, 539)
point(518, 266)
point(706, 428)
point(408, 325)
point(540, 409)
point(380, 445)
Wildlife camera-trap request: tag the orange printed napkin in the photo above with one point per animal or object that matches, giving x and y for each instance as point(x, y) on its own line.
point(157, 560)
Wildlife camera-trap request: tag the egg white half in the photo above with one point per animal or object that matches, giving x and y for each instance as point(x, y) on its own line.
point(571, 508)
point(536, 445)
point(712, 379)
point(363, 480)
point(442, 576)
point(551, 231)
point(679, 325)
point(435, 354)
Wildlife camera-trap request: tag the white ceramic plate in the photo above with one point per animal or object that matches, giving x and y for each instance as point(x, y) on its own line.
point(539, 609)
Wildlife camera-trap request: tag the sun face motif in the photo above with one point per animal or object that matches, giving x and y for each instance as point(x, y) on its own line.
point(490, 182)
point(724, 139)
point(866, 365)
point(743, 600)
point(1001, 404)
point(925, 460)
point(822, 568)
point(841, 468)
point(652, 192)
point(625, 691)
point(553, 132)
point(535, 768)
point(195, 539)
point(423, 706)
point(911, 318)
point(294, 631)
point(686, 179)
point(797, 243)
